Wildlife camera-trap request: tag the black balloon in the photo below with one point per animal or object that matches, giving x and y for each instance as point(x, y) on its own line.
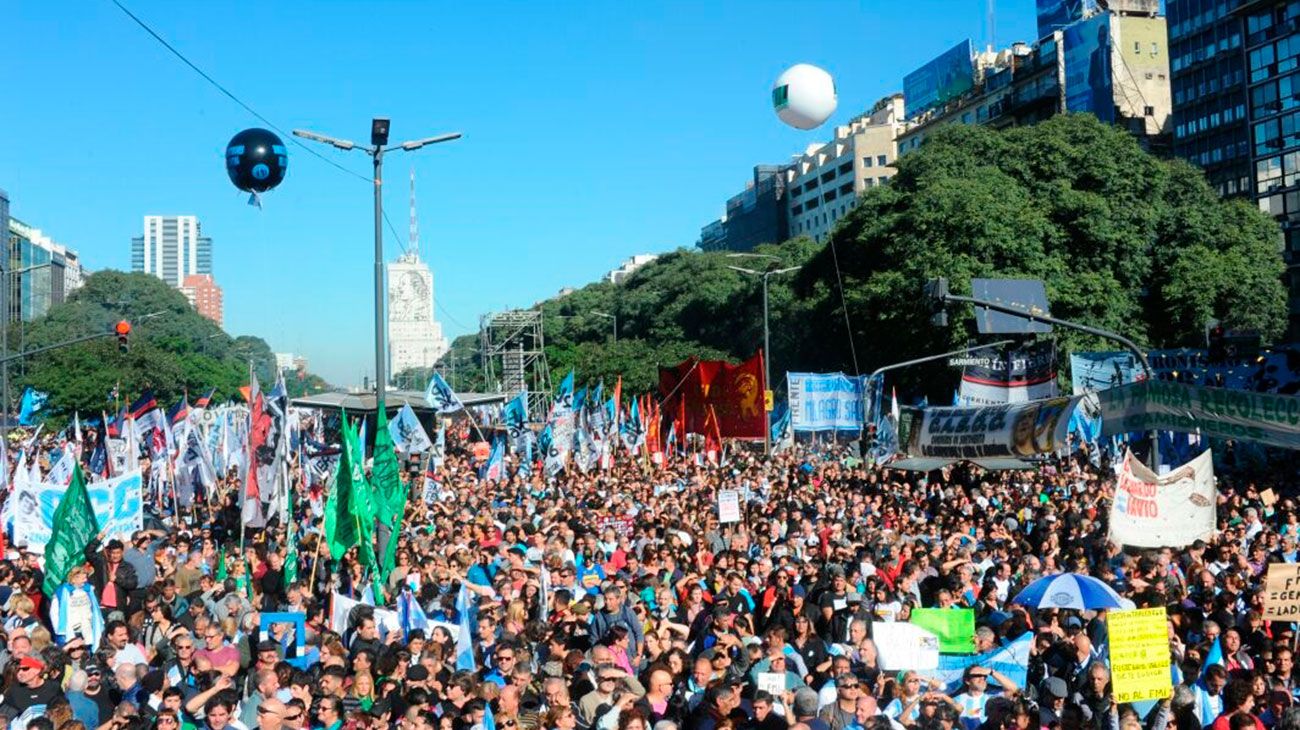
point(256, 160)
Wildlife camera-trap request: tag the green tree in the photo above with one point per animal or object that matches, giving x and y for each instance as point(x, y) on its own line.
point(173, 350)
point(1122, 239)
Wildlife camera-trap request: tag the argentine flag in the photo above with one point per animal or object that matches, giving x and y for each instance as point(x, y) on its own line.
point(465, 606)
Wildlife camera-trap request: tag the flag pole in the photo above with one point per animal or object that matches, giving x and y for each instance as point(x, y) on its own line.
point(243, 485)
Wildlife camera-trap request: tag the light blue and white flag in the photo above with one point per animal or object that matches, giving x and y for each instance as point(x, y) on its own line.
point(494, 470)
point(561, 427)
point(1011, 660)
point(408, 435)
point(33, 403)
point(410, 614)
point(440, 397)
point(466, 612)
point(515, 417)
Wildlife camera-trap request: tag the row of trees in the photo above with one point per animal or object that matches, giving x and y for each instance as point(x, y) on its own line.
point(173, 349)
point(1123, 240)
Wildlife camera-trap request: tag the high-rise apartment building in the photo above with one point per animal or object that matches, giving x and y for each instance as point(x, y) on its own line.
point(205, 296)
point(172, 248)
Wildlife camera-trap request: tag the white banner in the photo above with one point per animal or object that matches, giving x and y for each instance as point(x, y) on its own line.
point(385, 619)
point(1173, 510)
point(118, 504)
point(905, 646)
point(728, 506)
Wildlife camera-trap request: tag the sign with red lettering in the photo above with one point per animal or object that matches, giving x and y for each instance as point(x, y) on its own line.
point(1282, 592)
point(1173, 510)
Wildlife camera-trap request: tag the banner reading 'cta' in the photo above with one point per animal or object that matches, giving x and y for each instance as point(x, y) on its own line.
point(1173, 510)
point(825, 402)
point(1015, 430)
point(118, 505)
point(1265, 418)
point(994, 375)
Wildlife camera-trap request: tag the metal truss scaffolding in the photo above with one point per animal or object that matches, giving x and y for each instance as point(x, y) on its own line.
point(514, 357)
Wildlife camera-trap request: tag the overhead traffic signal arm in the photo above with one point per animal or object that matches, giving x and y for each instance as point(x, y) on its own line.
point(115, 332)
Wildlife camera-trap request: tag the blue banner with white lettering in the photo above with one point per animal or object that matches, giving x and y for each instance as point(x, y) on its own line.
point(825, 401)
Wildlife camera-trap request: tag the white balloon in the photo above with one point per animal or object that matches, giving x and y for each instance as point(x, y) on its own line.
point(804, 96)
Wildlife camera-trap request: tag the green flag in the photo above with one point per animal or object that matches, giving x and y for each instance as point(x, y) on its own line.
point(221, 565)
point(291, 553)
point(74, 528)
point(349, 515)
point(390, 494)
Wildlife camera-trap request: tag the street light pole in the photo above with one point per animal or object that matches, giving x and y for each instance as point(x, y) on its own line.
point(767, 343)
point(379, 127)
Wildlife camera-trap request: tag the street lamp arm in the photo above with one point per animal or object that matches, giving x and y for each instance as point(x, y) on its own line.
point(743, 270)
point(342, 144)
point(68, 343)
point(740, 255)
point(418, 143)
point(1048, 319)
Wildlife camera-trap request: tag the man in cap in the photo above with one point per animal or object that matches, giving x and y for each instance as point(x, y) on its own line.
point(31, 687)
point(1051, 700)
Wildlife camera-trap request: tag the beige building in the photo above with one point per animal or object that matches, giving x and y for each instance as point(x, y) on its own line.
point(823, 184)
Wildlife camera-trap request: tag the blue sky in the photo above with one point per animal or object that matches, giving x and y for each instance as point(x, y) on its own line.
point(592, 132)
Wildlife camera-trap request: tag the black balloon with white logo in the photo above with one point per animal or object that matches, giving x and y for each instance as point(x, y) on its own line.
point(256, 160)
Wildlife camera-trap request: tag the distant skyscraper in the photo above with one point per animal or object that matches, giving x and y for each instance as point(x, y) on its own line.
point(42, 272)
point(415, 337)
point(172, 248)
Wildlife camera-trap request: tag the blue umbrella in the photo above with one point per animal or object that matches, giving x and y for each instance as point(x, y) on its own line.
point(1069, 590)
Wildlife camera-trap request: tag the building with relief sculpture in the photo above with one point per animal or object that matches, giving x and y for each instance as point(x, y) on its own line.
point(415, 338)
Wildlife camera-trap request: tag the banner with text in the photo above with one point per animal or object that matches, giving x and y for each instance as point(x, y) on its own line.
point(1173, 510)
point(825, 402)
point(1017, 430)
point(118, 505)
point(1265, 418)
point(1139, 654)
point(995, 375)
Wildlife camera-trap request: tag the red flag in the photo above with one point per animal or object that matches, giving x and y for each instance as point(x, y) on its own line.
point(712, 436)
point(618, 404)
point(735, 392)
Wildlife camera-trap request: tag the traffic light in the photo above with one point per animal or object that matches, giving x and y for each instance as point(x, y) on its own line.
point(123, 330)
point(935, 297)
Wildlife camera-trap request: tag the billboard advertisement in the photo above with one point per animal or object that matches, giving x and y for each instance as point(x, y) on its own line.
point(1087, 68)
point(995, 375)
point(940, 81)
point(1057, 14)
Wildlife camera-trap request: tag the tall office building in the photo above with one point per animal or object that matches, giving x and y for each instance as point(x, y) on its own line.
point(172, 248)
point(1208, 79)
point(41, 272)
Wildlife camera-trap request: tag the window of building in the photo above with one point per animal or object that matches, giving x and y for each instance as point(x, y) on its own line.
point(882, 160)
point(846, 168)
point(830, 195)
point(828, 176)
point(883, 179)
point(797, 209)
point(866, 161)
point(846, 188)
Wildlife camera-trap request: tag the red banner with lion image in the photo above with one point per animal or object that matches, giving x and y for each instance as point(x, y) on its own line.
point(734, 391)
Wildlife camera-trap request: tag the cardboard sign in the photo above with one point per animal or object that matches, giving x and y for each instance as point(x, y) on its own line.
point(1282, 592)
point(1268, 497)
point(772, 683)
point(1139, 654)
point(728, 506)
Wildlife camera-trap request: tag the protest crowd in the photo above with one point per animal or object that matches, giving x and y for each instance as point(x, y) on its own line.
point(738, 590)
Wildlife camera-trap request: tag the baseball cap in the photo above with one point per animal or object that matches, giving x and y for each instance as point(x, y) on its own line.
point(31, 662)
point(1055, 687)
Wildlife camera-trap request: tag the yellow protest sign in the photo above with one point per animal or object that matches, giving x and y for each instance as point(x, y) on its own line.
point(1139, 654)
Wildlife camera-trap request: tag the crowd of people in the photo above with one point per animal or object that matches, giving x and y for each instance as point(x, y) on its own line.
point(618, 600)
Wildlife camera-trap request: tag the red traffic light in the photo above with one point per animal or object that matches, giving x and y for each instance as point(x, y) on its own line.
point(123, 328)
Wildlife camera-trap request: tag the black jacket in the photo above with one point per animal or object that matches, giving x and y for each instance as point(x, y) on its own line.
point(125, 578)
